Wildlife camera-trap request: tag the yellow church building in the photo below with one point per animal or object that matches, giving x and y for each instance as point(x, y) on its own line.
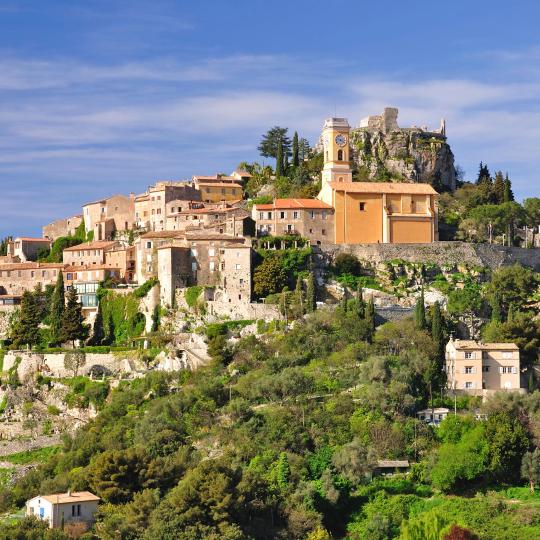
point(372, 212)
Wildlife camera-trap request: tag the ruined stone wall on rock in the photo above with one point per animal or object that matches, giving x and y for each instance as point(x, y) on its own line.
point(381, 150)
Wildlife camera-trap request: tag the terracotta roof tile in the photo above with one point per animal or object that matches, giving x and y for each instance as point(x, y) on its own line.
point(73, 497)
point(28, 239)
point(384, 187)
point(98, 244)
point(282, 204)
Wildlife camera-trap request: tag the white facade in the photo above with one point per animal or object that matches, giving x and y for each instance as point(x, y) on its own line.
point(64, 508)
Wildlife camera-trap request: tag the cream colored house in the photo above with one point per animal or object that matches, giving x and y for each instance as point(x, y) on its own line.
point(64, 508)
point(480, 368)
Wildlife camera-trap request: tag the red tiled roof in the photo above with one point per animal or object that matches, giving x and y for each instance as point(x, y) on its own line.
point(98, 244)
point(384, 187)
point(31, 266)
point(307, 204)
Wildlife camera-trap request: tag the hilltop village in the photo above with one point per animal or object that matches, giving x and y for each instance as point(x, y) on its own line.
point(317, 350)
point(201, 232)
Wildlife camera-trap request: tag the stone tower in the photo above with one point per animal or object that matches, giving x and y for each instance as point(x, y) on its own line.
point(335, 137)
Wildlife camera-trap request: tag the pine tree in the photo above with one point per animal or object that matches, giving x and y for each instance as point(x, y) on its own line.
point(370, 317)
point(295, 150)
point(73, 327)
point(58, 304)
point(26, 328)
point(508, 193)
point(279, 160)
point(98, 332)
point(360, 304)
point(499, 187)
point(420, 312)
point(311, 304)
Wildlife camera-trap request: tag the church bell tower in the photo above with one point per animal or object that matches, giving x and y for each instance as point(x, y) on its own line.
point(335, 135)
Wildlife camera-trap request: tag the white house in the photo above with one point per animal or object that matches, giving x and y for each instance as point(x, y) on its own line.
point(70, 507)
point(433, 416)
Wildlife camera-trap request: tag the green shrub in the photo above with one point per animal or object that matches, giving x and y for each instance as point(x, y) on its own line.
point(39, 455)
point(145, 288)
point(192, 295)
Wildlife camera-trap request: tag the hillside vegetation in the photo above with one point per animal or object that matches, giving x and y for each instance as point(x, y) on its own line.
point(279, 438)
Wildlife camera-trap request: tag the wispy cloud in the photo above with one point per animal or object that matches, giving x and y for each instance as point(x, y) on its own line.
point(91, 129)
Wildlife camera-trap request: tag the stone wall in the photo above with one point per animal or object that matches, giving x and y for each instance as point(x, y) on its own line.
point(440, 253)
point(53, 364)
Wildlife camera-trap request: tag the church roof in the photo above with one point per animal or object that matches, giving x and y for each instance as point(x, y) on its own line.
point(384, 187)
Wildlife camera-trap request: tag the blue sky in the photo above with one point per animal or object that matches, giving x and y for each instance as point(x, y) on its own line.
point(106, 96)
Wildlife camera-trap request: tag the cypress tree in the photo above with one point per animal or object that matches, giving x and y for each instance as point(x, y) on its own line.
point(344, 300)
point(437, 330)
point(111, 337)
point(499, 187)
point(283, 302)
point(295, 150)
point(98, 333)
point(26, 328)
point(73, 327)
point(360, 304)
point(279, 159)
point(495, 302)
point(311, 304)
point(370, 316)
point(508, 194)
point(299, 295)
point(511, 313)
point(58, 304)
point(420, 312)
point(155, 319)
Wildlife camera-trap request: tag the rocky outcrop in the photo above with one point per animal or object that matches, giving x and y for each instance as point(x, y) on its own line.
point(381, 150)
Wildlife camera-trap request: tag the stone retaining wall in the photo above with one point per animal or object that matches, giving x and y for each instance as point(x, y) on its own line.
point(53, 364)
point(440, 253)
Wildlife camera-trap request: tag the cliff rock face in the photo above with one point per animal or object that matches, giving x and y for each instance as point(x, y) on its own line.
point(381, 150)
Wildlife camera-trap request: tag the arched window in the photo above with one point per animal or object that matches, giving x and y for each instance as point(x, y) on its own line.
point(340, 155)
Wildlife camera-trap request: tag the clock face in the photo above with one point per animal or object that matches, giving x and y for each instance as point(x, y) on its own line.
point(341, 140)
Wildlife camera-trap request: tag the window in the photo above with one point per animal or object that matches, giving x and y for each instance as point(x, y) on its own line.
point(75, 510)
point(282, 215)
point(237, 266)
point(508, 369)
point(193, 266)
point(312, 214)
point(310, 231)
point(362, 206)
point(159, 210)
point(469, 369)
point(295, 215)
point(148, 245)
point(268, 215)
point(340, 155)
point(485, 369)
point(469, 355)
point(469, 384)
point(241, 281)
point(261, 215)
point(324, 214)
point(323, 232)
